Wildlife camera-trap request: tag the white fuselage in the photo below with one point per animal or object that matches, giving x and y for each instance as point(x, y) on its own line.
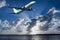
point(25, 7)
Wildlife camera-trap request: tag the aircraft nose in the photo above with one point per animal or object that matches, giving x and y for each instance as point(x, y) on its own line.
point(33, 1)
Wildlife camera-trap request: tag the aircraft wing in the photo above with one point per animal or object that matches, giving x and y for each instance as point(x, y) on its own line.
point(30, 4)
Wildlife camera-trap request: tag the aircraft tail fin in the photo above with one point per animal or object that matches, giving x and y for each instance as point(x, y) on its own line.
point(16, 10)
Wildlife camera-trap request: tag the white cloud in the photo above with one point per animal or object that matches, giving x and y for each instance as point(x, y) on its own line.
point(53, 9)
point(2, 3)
point(54, 24)
point(36, 28)
point(19, 27)
point(56, 11)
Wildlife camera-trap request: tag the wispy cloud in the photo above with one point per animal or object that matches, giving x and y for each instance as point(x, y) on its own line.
point(2, 3)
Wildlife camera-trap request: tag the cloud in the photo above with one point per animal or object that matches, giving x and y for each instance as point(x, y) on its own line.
point(53, 9)
point(2, 3)
point(16, 27)
point(36, 28)
point(47, 24)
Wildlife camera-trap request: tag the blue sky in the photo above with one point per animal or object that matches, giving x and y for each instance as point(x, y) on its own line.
point(40, 7)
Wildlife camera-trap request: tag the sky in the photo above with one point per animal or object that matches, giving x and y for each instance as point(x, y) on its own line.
point(40, 7)
point(27, 20)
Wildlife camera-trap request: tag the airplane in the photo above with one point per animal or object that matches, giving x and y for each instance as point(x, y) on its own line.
point(27, 7)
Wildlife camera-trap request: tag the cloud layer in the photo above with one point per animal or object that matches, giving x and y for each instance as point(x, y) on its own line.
point(47, 24)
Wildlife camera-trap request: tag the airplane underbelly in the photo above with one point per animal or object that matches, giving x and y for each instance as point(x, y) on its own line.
point(16, 10)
